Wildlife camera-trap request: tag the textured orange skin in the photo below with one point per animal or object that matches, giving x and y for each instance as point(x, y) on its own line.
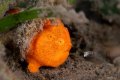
point(49, 47)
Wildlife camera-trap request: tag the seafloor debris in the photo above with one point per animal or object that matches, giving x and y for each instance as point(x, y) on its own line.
point(4, 6)
point(116, 61)
point(88, 53)
point(5, 72)
point(70, 16)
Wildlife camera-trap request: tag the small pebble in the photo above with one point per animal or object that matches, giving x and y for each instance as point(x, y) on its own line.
point(116, 61)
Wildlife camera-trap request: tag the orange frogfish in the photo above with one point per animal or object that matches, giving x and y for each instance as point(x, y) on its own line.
point(49, 47)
